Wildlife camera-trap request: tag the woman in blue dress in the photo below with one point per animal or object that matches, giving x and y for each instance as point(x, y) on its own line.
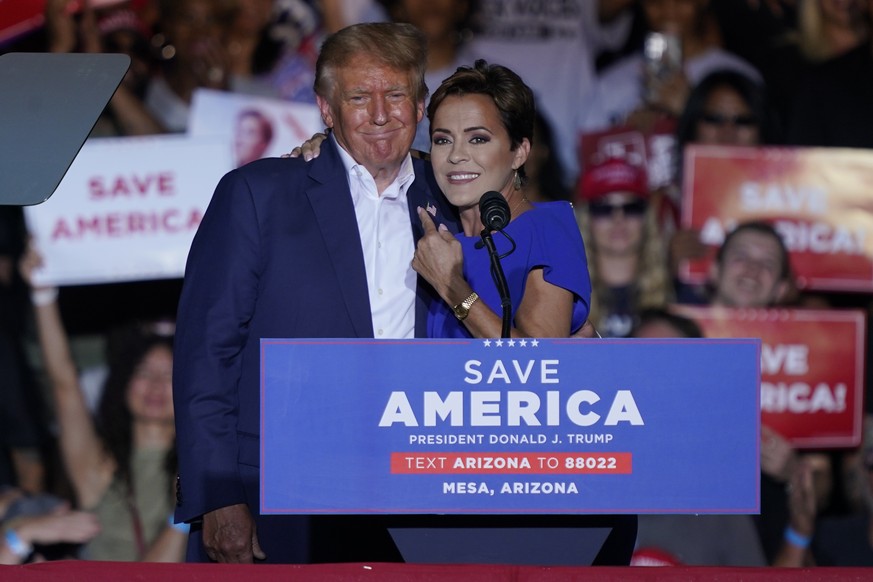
point(482, 120)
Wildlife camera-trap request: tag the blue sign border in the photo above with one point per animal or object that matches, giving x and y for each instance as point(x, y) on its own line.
point(684, 433)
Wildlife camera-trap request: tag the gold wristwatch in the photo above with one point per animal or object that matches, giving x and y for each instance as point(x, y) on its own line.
point(462, 309)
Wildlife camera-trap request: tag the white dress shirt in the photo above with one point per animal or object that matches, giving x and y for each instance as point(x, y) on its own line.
point(386, 238)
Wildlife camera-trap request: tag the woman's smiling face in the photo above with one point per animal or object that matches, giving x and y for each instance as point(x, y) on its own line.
point(471, 149)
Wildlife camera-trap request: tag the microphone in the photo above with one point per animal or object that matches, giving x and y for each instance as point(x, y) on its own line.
point(494, 210)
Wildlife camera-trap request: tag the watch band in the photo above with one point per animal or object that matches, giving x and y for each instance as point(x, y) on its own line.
point(462, 309)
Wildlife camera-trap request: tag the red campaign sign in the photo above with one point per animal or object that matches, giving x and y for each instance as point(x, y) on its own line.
point(19, 17)
point(653, 150)
point(812, 368)
point(817, 198)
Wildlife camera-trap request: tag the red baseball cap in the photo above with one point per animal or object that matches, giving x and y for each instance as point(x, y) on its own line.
point(613, 175)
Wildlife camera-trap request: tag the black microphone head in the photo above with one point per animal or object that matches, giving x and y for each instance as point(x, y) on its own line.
point(494, 210)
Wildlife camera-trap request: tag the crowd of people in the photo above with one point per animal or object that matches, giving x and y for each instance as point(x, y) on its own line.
point(91, 465)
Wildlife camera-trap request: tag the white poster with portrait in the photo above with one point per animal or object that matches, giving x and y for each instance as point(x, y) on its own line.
point(253, 127)
point(127, 209)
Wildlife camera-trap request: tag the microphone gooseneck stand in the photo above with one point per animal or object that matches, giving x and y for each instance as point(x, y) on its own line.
point(495, 215)
point(499, 280)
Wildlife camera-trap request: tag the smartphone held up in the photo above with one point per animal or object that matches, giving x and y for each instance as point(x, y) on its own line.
point(663, 57)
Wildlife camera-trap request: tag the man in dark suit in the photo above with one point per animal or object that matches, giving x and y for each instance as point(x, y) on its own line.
point(289, 248)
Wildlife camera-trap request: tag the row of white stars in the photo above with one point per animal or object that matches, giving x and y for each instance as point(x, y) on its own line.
point(511, 343)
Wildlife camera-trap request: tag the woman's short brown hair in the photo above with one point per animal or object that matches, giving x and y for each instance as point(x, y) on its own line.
point(514, 100)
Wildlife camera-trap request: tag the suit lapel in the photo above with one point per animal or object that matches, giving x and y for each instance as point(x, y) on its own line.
point(423, 193)
point(332, 204)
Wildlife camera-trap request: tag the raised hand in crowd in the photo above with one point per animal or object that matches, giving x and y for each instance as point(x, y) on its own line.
point(124, 472)
point(778, 457)
point(118, 29)
point(664, 95)
point(64, 33)
point(802, 510)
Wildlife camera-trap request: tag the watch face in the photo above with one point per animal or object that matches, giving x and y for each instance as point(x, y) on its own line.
point(462, 309)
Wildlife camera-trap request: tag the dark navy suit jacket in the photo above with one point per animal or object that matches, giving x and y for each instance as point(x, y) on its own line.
point(277, 254)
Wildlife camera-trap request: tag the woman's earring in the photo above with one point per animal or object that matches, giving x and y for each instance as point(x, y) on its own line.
point(516, 181)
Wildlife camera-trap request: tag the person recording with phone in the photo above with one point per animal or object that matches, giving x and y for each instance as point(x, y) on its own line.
point(681, 48)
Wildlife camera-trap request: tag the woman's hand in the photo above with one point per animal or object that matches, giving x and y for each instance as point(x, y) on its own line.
point(31, 261)
point(587, 331)
point(439, 259)
point(61, 524)
point(308, 149)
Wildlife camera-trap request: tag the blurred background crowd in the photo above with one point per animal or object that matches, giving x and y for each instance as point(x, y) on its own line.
point(86, 435)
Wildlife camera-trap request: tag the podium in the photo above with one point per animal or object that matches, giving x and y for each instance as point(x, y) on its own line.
point(514, 540)
point(534, 453)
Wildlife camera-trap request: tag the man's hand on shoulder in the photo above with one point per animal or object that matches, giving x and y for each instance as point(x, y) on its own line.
point(229, 535)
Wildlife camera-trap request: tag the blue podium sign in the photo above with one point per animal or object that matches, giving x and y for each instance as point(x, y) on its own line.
point(510, 426)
